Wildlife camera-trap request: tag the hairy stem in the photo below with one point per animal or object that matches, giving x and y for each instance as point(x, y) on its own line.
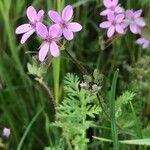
point(44, 85)
point(77, 63)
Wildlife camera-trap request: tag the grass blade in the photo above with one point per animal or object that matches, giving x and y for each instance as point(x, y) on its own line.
point(112, 112)
point(28, 129)
point(140, 142)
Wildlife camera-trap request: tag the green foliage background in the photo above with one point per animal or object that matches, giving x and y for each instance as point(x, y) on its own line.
point(21, 97)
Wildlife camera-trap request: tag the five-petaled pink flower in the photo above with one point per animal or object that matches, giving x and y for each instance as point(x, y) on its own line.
point(28, 29)
point(135, 21)
point(112, 7)
point(142, 41)
point(49, 37)
point(66, 27)
point(113, 24)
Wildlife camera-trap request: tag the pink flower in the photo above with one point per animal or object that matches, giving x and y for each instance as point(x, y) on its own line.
point(113, 24)
point(49, 40)
point(6, 132)
point(142, 41)
point(28, 29)
point(112, 7)
point(66, 27)
point(135, 21)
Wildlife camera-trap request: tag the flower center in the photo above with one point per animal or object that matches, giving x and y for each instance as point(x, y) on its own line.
point(114, 23)
point(63, 24)
point(33, 24)
point(48, 39)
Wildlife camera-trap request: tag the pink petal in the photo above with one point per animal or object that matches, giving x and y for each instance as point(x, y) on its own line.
point(146, 44)
point(129, 14)
point(107, 3)
point(140, 22)
point(124, 25)
point(23, 28)
point(115, 2)
point(74, 27)
point(105, 24)
point(111, 17)
point(138, 13)
point(140, 41)
point(119, 10)
point(104, 12)
point(134, 28)
point(54, 49)
point(40, 15)
point(54, 30)
point(43, 51)
point(119, 18)
point(67, 13)
point(55, 17)
point(111, 31)
point(26, 36)
point(68, 34)
point(42, 30)
point(31, 13)
point(119, 29)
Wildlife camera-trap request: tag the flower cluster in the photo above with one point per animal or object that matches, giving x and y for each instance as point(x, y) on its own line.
point(118, 19)
point(62, 28)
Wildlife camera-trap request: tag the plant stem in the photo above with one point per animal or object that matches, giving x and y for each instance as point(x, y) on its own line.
point(76, 62)
point(56, 62)
point(44, 85)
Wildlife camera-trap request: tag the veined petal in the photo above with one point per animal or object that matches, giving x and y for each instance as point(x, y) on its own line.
point(140, 22)
point(119, 29)
point(105, 24)
point(43, 51)
point(54, 16)
point(68, 34)
point(119, 18)
point(111, 31)
point(31, 13)
point(119, 9)
point(129, 14)
point(138, 13)
point(74, 27)
point(104, 12)
point(54, 30)
point(67, 13)
point(115, 2)
point(124, 25)
point(23, 28)
point(26, 36)
point(40, 15)
point(134, 28)
point(42, 30)
point(55, 52)
point(107, 3)
point(111, 17)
